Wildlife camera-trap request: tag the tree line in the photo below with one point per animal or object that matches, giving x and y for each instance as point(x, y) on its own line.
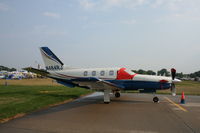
point(164, 72)
point(3, 68)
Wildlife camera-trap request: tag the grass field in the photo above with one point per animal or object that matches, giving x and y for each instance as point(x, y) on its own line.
point(20, 97)
point(189, 88)
point(37, 81)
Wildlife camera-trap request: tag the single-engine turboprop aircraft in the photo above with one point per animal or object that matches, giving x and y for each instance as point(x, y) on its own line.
point(103, 79)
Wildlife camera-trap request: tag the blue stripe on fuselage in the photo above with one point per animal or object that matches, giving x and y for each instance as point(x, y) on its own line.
point(135, 85)
point(123, 84)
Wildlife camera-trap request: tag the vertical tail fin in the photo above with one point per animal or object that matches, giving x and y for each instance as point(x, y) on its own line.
point(51, 61)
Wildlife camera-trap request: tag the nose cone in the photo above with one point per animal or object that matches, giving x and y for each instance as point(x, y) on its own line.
point(177, 80)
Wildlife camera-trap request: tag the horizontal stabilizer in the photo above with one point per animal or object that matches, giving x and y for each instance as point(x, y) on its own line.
point(37, 71)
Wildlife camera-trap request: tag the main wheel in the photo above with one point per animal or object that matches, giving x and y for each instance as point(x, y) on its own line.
point(117, 94)
point(155, 99)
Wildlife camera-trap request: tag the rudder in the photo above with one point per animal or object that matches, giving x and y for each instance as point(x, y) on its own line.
point(51, 61)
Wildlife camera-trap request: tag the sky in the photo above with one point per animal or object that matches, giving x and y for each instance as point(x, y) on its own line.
point(137, 34)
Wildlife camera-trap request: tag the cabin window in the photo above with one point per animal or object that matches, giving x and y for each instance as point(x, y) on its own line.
point(111, 72)
point(102, 73)
point(93, 73)
point(85, 73)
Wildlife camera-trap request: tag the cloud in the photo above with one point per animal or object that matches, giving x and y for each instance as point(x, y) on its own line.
point(157, 3)
point(178, 10)
point(113, 2)
point(86, 4)
point(108, 4)
point(175, 5)
point(168, 10)
point(125, 3)
point(3, 7)
point(169, 5)
point(52, 15)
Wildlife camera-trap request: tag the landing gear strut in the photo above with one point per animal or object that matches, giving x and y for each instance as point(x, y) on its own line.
point(106, 96)
point(156, 100)
point(117, 94)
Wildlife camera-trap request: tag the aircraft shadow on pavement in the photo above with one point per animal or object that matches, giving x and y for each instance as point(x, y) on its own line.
point(74, 104)
point(129, 101)
point(83, 102)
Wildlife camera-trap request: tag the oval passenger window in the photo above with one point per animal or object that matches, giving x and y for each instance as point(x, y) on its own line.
point(93, 73)
point(102, 73)
point(111, 72)
point(85, 73)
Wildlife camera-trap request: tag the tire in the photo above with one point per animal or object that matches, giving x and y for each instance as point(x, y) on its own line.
point(155, 99)
point(117, 94)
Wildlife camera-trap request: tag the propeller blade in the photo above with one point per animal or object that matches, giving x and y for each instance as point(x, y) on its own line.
point(173, 72)
point(173, 87)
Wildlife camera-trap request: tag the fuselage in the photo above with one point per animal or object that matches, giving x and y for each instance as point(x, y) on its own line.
point(122, 77)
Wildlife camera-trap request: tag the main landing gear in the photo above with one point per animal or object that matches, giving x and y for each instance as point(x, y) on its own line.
point(117, 94)
point(107, 96)
point(156, 100)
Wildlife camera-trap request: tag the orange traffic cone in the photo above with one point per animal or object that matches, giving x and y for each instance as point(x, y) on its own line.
point(182, 98)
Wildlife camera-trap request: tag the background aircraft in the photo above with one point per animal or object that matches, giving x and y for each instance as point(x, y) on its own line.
point(103, 79)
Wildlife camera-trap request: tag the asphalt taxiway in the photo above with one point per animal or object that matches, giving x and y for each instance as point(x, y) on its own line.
point(131, 113)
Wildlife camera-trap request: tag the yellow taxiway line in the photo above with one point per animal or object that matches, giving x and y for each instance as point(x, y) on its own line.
point(177, 105)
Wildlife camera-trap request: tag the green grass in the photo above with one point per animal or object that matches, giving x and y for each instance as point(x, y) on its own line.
point(188, 87)
point(25, 99)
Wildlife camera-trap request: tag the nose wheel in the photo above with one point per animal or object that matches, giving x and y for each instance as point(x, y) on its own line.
point(156, 100)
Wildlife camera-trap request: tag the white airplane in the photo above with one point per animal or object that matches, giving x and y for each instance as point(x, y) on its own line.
point(103, 79)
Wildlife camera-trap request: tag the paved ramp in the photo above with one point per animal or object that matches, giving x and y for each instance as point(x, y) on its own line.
point(131, 113)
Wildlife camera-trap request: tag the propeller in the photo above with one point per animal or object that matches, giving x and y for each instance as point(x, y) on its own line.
point(173, 72)
point(173, 87)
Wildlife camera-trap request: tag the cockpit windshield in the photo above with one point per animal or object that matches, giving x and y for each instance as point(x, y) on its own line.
point(129, 71)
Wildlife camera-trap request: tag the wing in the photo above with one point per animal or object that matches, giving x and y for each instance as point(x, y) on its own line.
point(97, 84)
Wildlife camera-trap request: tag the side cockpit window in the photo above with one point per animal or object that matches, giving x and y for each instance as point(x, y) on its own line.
point(129, 71)
point(85, 73)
